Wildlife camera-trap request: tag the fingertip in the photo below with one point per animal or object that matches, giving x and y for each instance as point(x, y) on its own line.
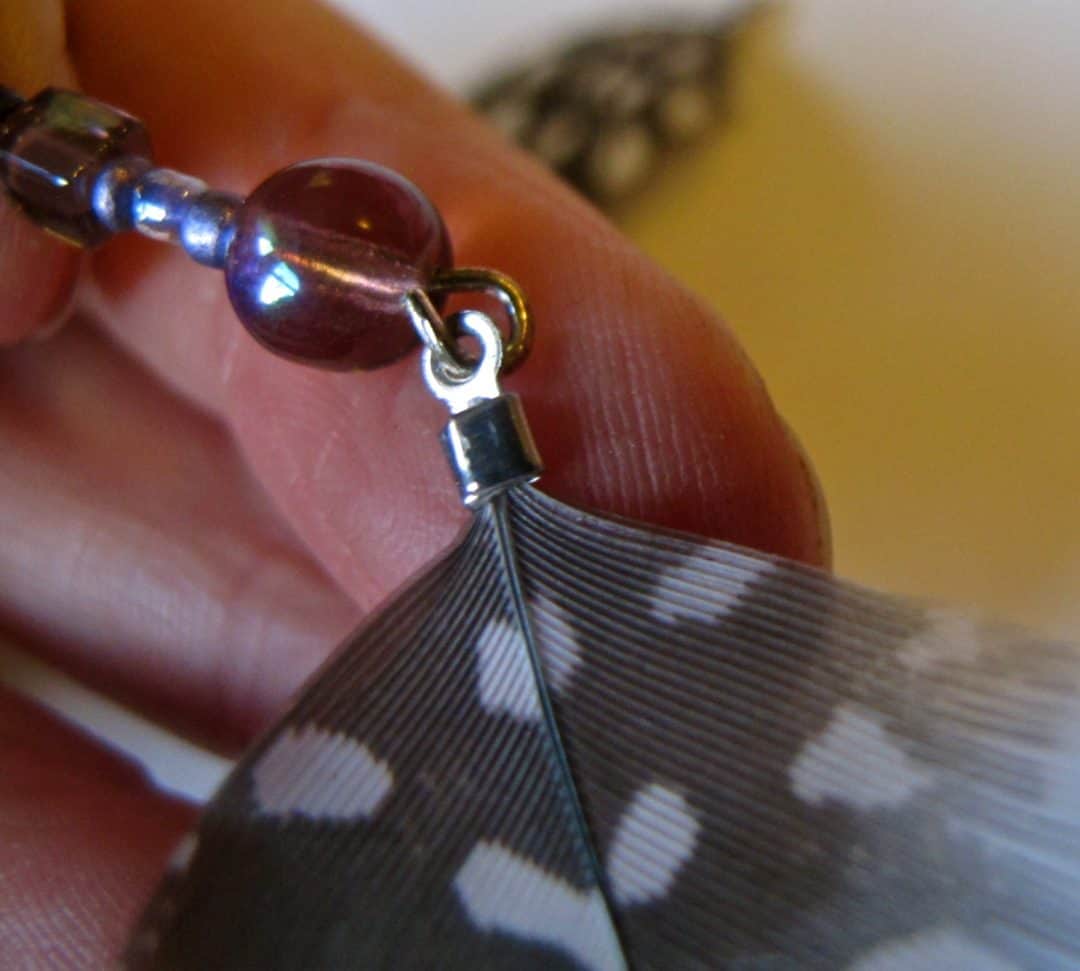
point(818, 527)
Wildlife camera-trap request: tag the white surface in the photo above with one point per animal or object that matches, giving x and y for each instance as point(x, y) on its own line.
point(460, 44)
point(175, 765)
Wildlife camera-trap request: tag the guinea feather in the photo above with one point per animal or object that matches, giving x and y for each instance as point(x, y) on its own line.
point(865, 776)
point(768, 768)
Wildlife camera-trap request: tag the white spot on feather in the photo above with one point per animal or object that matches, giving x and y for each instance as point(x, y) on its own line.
point(1062, 783)
point(949, 636)
point(654, 839)
point(504, 893)
point(557, 640)
point(320, 774)
point(854, 762)
point(504, 674)
point(941, 948)
point(183, 854)
point(704, 589)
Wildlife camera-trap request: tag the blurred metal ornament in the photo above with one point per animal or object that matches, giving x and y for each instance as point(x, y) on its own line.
point(603, 111)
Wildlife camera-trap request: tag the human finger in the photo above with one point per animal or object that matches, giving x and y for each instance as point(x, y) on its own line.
point(643, 402)
point(82, 839)
point(138, 552)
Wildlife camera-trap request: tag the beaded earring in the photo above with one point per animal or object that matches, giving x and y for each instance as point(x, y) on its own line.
point(578, 741)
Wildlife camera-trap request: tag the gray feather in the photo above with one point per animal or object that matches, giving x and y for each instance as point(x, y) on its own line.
point(776, 769)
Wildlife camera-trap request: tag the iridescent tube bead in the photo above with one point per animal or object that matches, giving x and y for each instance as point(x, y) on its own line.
point(323, 257)
point(54, 147)
point(159, 200)
point(168, 206)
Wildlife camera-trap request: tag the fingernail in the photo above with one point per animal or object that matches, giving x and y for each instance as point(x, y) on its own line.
point(817, 496)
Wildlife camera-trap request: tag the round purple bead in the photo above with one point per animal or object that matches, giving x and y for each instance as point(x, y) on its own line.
point(323, 257)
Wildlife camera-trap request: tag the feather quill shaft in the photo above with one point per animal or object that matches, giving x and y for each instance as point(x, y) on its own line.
point(498, 513)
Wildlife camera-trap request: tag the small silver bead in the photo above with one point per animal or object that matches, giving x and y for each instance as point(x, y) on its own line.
point(112, 193)
point(160, 200)
point(208, 225)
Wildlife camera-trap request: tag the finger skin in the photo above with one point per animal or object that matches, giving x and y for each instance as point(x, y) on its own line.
point(139, 553)
point(642, 403)
point(82, 843)
point(38, 273)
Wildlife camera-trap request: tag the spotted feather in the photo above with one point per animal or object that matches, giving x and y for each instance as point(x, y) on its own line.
point(770, 769)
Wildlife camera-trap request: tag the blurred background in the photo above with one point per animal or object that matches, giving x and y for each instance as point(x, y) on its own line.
point(886, 208)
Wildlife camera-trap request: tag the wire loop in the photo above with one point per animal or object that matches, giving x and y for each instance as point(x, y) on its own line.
point(439, 335)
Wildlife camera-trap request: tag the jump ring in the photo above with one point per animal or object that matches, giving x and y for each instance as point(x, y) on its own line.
point(499, 285)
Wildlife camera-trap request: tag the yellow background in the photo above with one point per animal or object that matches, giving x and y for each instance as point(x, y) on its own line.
point(890, 219)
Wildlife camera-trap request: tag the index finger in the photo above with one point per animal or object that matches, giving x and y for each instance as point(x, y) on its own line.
point(641, 400)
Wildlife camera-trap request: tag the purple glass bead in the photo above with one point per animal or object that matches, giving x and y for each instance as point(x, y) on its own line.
point(52, 150)
point(324, 253)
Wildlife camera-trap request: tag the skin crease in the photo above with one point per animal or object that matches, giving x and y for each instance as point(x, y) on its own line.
point(189, 523)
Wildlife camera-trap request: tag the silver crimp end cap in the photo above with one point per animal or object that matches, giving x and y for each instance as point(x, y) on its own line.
point(491, 448)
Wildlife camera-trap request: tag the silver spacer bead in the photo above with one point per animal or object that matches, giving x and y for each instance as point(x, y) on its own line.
point(208, 226)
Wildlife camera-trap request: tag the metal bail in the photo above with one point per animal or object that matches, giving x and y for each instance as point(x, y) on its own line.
point(491, 448)
point(487, 440)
